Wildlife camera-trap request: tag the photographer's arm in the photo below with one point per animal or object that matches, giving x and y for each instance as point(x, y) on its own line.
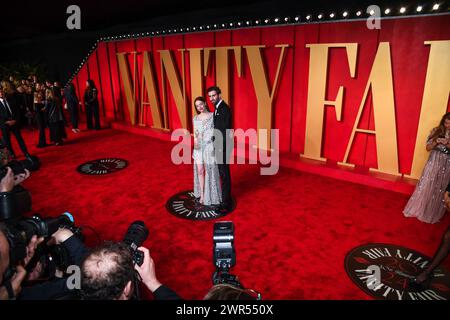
point(15, 283)
point(57, 287)
point(75, 247)
point(148, 275)
point(31, 248)
point(7, 204)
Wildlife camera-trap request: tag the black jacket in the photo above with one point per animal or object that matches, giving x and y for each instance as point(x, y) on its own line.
point(5, 115)
point(71, 98)
point(223, 121)
point(165, 293)
point(54, 111)
point(90, 97)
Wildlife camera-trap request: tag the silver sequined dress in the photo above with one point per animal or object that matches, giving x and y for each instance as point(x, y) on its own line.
point(204, 130)
point(427, 201)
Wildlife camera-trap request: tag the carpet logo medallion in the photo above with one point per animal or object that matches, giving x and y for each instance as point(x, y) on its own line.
point(184, 205)
point(385, 271)
point(102, 166)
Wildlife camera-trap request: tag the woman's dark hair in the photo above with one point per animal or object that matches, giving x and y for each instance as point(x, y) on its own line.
point(439, 131)
point(91, 84)
point(202, 100)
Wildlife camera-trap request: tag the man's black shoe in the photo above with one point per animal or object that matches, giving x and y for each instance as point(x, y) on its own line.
point(420, 285)
point(224, 207)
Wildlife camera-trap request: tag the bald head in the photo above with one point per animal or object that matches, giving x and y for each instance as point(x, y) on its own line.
point(106, 272)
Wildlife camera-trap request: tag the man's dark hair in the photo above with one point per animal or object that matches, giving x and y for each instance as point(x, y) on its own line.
point(106, 271)
point(214, 88)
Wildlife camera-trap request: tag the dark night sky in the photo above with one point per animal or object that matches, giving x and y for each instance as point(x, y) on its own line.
point(35, 31)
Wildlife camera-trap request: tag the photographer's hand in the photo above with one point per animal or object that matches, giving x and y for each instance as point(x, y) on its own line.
point(21, 177)
point(147, 271)
point(16, 281)
point(31, 248)
point(7, 183)
point(61, 235)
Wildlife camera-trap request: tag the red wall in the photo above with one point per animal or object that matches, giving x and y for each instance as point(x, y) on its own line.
point(409, 62)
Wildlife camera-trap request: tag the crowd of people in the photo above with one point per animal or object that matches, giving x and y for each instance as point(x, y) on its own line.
point(33, 103)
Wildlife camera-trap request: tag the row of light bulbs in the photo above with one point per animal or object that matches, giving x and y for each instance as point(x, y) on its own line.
point(308, 18)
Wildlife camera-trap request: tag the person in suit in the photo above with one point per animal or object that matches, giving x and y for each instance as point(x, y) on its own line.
point(222, 147)
point(91, 105)
point(72, 104)
point(9, 124)
point(55, 118)
point(41, 113)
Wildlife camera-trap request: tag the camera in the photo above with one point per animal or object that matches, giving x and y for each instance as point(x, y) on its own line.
point(224, 254)
point(15, 203)
point(136, 234)
point(18, 166)
point(19, 232)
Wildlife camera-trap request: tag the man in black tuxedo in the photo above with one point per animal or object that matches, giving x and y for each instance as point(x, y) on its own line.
point(222, 123)
point(9, 123)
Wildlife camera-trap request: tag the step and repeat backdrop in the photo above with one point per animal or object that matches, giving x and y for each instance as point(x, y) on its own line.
point(336, 91)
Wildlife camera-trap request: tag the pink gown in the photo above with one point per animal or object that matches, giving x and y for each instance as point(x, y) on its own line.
point(427, 201)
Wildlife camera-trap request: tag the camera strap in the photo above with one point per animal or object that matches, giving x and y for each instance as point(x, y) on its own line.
point(136, 282)
point(9, 289)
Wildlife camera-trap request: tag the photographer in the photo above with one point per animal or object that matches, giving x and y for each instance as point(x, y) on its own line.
point(55, 287)
point(109, 273)
point(10, 284)
point(11, 192)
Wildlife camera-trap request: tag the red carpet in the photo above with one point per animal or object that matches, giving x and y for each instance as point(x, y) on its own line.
point(293, 230)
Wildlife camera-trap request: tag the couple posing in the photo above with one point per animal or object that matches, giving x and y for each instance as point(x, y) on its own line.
point(212, 181)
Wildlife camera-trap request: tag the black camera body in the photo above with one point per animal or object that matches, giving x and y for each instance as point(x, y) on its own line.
point(136, 234)
point(19, 232)
point(224, 254)
point(18, 166)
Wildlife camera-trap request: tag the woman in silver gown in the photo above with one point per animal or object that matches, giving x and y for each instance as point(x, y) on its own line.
point(427, 202)
point(206, 172)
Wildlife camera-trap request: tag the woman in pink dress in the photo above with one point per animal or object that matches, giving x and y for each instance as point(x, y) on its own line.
point(427, 202)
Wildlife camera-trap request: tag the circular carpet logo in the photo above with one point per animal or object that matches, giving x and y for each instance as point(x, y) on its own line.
point(102, 166)
point(183, 205)
point(384, 271)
